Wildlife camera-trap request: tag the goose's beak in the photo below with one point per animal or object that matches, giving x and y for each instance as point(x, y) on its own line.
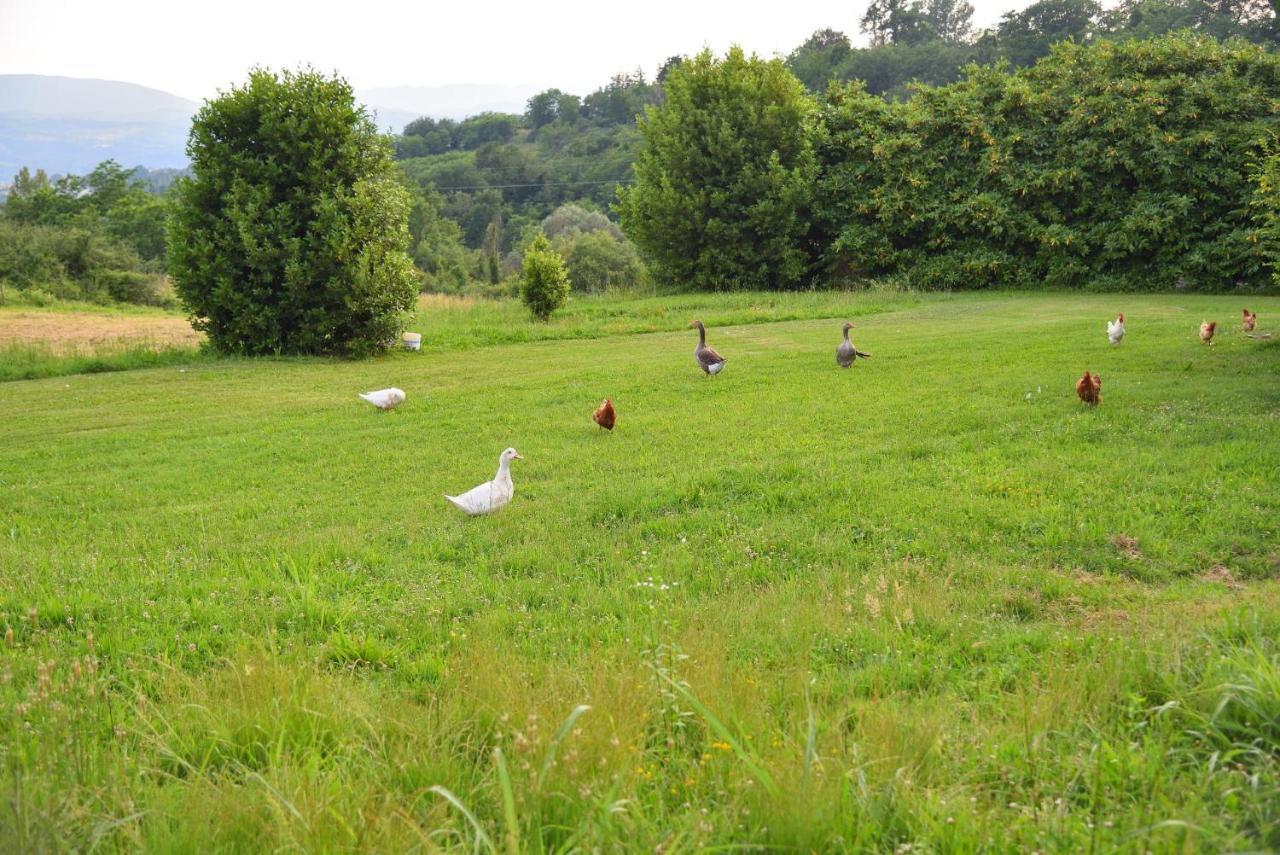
point(519, 456)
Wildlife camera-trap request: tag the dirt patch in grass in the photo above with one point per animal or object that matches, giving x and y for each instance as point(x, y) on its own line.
point(1127, 546)
point(87, 333)
point(1219, 573)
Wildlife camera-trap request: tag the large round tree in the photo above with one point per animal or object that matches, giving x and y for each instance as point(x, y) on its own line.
point(725, 176)
point(289, 236)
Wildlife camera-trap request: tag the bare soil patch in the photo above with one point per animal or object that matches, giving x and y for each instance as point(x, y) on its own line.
point(1219, 573)
point(1127, 546)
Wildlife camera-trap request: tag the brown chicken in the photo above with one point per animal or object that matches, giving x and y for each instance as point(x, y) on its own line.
point(1089, 388)
point(1206, 331)
point(1250, 320)
point(605, 416)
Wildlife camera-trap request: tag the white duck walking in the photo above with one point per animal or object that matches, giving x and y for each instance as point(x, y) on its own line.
point(490, 495)
point(385, 399)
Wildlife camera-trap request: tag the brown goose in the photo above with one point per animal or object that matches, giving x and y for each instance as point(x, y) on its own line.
point(846, 353)
point(708, 360)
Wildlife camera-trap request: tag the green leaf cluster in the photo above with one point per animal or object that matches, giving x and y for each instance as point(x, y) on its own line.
point(290, 235)
point(1107, 166)
point(596, 253)
point(544, 285)
point(725, 176)
point(1267, 208)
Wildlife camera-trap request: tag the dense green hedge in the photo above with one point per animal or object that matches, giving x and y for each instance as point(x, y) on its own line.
point(1111, 166)
point(1267, 210)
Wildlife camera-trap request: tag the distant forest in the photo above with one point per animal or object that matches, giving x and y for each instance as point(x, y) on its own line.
point(487, 182)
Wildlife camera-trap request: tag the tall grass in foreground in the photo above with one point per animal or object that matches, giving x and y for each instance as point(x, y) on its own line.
point(1144, 749)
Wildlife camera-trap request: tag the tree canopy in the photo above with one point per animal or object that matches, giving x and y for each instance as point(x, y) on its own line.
point(1107, 166)
point(724, 177)
point(289, 236)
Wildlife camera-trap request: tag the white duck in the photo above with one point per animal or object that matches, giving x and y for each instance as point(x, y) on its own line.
point(1115, 329)
point(490, 495)
point(385, 399)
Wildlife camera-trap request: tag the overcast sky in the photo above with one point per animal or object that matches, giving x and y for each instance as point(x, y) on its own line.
point(193, 49)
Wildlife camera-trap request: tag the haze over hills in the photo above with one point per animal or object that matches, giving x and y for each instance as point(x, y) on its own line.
point(67, 124)
point(396, 106)
point(84, 98)
point(70, 125)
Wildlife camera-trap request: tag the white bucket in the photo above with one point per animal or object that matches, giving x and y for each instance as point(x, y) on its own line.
point(412, 340)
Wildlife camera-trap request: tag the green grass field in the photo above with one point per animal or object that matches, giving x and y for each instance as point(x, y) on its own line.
point(929, 604)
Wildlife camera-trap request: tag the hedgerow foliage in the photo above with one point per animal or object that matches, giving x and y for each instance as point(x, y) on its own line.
point(1111, 166)
point(290, 236)
point(1267, 207)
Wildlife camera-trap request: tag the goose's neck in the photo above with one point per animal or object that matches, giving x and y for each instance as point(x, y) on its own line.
point(702, 335)
point(504, 470)
point(846, 334)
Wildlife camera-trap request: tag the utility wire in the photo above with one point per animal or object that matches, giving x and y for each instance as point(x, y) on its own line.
point(540, 184)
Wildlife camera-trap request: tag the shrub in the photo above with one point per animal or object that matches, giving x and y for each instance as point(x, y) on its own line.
point(1118, 166)
point(290, 235)
point(725, 177)
point(545, 282)
point(599, 261)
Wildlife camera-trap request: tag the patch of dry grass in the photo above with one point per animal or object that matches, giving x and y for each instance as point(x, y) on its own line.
point(94, 334)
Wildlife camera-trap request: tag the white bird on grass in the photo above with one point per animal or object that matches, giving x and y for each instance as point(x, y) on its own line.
point(490, 495)
point(385, 399)
point(1115, 329)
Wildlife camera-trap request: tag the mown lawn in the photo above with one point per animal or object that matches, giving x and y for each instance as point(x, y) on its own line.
point(80, 338)
point(932, 603)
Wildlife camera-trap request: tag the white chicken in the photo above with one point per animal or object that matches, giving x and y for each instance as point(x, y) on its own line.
point(1115, 329)
point(385, 399)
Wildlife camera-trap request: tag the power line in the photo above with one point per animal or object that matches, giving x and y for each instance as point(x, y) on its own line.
point(540, 184)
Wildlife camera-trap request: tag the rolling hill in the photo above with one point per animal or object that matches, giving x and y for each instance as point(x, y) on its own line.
point(69, 124)
point(66, 124)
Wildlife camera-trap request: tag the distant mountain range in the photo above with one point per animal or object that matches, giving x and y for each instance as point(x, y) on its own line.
point(70, 125)
point(66, 124)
